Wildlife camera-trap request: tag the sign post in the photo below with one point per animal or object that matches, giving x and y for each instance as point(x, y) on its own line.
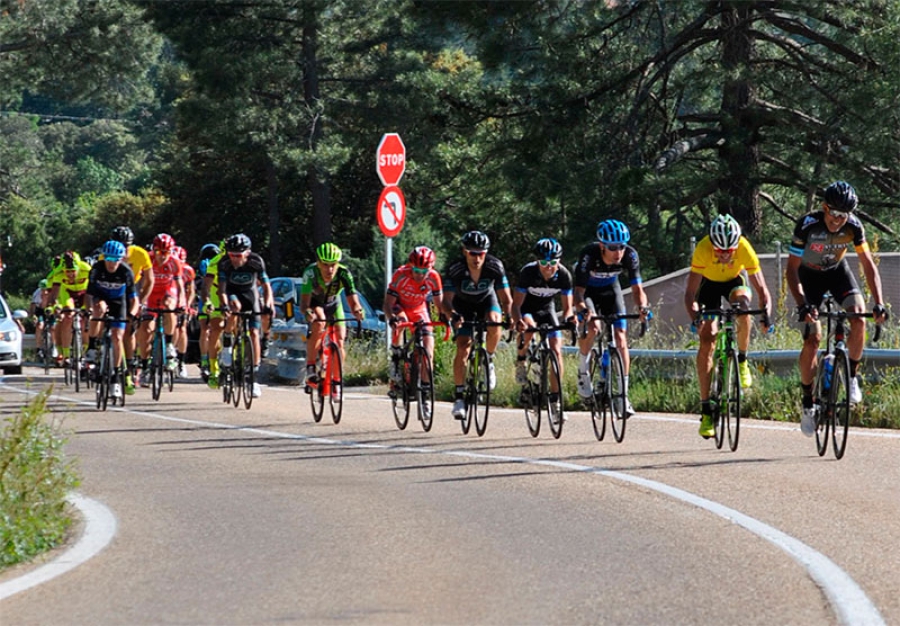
point(390, 164)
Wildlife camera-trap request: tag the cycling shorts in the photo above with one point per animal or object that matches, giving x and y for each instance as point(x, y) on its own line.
point(839, 281)
point(712, 292)
point(546, 315)
point(608, 300)
point(249, 303)
point(471, 311)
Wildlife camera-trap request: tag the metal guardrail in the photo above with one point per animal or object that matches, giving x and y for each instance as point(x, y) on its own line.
point(289, 348)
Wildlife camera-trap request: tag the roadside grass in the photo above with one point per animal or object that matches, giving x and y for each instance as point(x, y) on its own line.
point(35, 478)
point(669, 387)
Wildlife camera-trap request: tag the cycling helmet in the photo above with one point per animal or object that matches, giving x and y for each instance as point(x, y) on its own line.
point(180, 253)
point(113, 250)
point(163, 243)
point(613, 232)
point(475, 240)
point(547, 249)
point(123, 234)
point(725, 232)
point(237, 243)
point(208, 251)
point(69, 259)
point(422, 257)
point(44, 284)
point(329, 253)
point(840, 196)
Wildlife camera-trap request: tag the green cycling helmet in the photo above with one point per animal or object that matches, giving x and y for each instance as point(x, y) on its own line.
point(329, 253)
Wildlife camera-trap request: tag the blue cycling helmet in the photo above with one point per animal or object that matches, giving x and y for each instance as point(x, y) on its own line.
point(612, 232)
point(547, 249)
point(113, 250)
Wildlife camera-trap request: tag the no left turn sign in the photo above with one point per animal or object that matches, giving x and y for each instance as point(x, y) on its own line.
point(391, 211)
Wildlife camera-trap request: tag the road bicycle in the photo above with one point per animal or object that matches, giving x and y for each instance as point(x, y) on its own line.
point(725, 391)
point(108, 374)
point(542, 376)
point(240, 375)
point(478, 378)
point(416, 368)
point(75, 368)
point(831, 388)
point(162, 373)
point(607, 374)
point(329, 377)
point(46, 347)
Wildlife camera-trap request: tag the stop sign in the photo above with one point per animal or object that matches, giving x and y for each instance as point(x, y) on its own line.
point(390, 159)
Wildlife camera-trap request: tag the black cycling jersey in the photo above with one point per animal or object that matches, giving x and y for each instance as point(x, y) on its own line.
point(458, 280)
point(541, 294)
point(241, 281)
point(821, 249)
point(113, 287)
point(592, 271)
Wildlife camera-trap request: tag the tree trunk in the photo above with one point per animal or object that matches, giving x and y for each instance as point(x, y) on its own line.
point(318, 185)
point(274, 262)
point(738, 187)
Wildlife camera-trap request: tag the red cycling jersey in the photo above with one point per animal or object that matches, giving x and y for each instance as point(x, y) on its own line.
point(166, 276)
point(412, 294)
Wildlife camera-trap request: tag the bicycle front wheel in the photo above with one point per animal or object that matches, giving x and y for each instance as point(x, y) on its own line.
point(157, 365)
point(617, 395)
point(839, 403)
point(552, 400)
point(718, 385)
point(101, 389)
point(75, 355)
point(424, 378)
point(599, 397)
point(480, 406)
point(119, 377)
point(248, 375)
point(236, 372)
point(821, 403)
point(731, 403)
point(336, 377)
point(401, 395)
point(316, 395)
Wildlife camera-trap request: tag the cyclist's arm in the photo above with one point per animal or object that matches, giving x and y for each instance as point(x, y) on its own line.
point(792, 273)
point(518, 299)
point(390, 301)
point(639, 296)
point(758, 282)
point(568, 311)
point(268, 296)
point(355, 306)
point(873, 277)
point(505, 299)
point(690, 294)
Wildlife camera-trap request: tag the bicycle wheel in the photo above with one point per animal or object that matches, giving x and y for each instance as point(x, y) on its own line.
point(839, 403)
point(248, 376)
point(336, 376)
point(530, 398)
point(599, 397)
point(314, 389)
point(402, 392)
point(425, 390)
point(718, 384)
point(119, 377)
point(101, 390)
point(481, 406)
point(236, 372)
point(157, 364)
point(617, 395)
point(550, 376)
point(225, 382)
point(731, 405)
point(471, 385)
point(47, 349)
point(75, 355)
point(820, 401)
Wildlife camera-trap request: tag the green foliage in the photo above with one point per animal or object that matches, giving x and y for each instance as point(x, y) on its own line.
point(35, 478)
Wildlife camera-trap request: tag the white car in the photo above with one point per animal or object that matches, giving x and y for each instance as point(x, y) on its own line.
point(11, 335)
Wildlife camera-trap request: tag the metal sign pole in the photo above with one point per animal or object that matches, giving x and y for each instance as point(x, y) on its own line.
point(388, 272)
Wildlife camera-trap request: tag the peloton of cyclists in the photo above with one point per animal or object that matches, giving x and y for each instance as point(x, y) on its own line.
point(68, 284)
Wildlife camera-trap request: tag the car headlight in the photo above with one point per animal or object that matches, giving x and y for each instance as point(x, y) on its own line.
point(9, 335)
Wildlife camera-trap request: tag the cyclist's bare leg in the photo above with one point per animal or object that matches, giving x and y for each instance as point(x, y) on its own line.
point(254, 339)
point(556, 346)
point(144, 336)
point(429, 348)
point(622, 345)
point(216, 326)
point(117, 336)
point(494, 333)
point(463, 346)
point(808, 357)
point(316, 332)
point(856, 340)
point(707, 332)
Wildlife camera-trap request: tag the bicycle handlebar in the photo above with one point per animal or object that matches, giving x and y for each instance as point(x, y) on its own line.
point(407, 324)
point(336, 320)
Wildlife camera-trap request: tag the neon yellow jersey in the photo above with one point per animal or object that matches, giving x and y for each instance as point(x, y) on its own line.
point(708, 265)
point(58, 276)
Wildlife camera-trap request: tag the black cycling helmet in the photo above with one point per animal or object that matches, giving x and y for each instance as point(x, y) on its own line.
point(840, 196)
point(476, 240)
point(208, 251)
point(237, 243)
point(547, 249)
point(123, 234)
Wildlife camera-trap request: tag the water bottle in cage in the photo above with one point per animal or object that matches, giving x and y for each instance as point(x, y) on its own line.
point(604, 365)
point(828, 368)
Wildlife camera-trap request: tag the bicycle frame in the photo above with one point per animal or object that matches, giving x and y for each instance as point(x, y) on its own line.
point(478, 388)
point(330, 371)
point(159, 374)
point(109, 373)
point(543, 369)
point(416, 365)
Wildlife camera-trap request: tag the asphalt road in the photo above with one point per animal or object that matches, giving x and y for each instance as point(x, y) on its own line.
point(229, 516)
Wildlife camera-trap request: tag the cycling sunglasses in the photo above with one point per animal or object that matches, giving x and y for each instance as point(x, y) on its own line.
point(549, 262)
point(420, 270)
point(841, 215)
point(476, 252)
point(614, 247)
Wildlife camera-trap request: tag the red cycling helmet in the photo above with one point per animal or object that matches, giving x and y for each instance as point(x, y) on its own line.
point(422, 257)
point(164, 243)
point(180, 253)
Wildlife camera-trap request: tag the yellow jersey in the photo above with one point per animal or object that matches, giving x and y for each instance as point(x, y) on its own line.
point(710, 267)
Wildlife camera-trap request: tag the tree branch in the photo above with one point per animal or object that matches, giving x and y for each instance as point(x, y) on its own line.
point(681, 148)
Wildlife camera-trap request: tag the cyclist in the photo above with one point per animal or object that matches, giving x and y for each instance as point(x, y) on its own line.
point(597, 278)
point(111, 289)
point(207, 290)
point(534, 301)
point(407, 298)
point(723, 264)
point(168, 291)
point(68, 283)
point(181, 328)
point(476, 288)
point(139, 261)
point(37, 310)
point(816, 265)
point(320, 299)
point(241, 271)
